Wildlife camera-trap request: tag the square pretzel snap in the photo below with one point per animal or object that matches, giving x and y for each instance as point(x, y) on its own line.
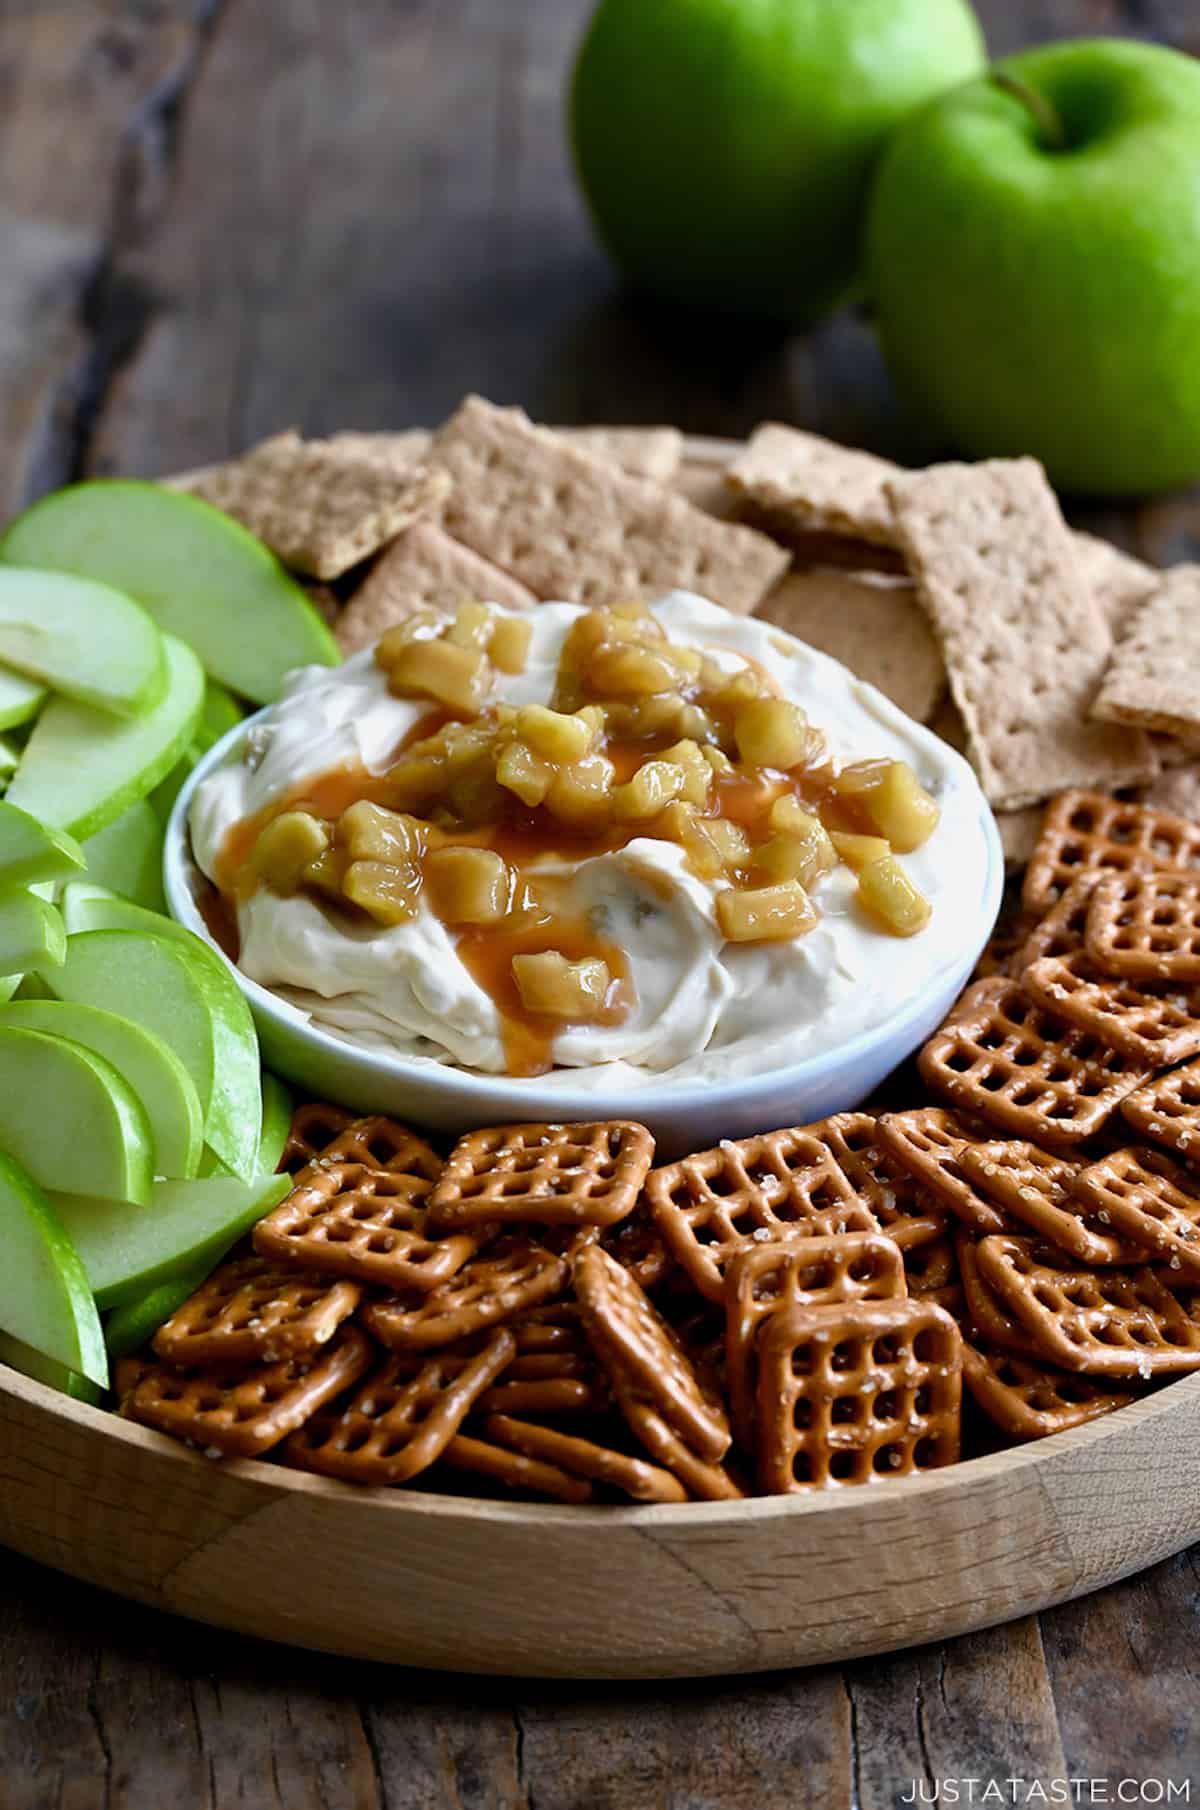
point(556, 1175)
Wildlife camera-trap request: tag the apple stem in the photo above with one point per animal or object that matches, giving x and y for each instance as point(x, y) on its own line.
point(1047, 118)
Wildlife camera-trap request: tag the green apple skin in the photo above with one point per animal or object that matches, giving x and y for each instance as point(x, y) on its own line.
point(80, 638)
point(1048, 302)
point(9, 756)
point(198, 572)
point(20, 699)
point(180, 989)
point(86, 906)
point(725, 147)
point(278, 1107)
point(150, 1066)
point(128, 1251)
point(45, 1297)
point(42, 1369)
point(128, 1327)
point(97, 1139)
point(32, 852)
point(32, 934)
point(82, 769)
point(127, 856)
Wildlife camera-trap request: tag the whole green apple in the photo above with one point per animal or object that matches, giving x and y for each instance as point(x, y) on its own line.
point(1033, 248)
point(725, 147)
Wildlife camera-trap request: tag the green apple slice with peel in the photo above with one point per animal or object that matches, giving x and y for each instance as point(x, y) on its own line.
point(278, 1107)
point(45, 1296)
point(86, 906)
point(82, 768)
point(135, 1322)
point(127, 856)
point(81, 638)
point(151, 1067)
point(182, 990)
point(20, 698)
point(32, 852)
point(48, 1370)
point(197, 571)
point(31, 933)
point(71, 1120)
point(127, 1250)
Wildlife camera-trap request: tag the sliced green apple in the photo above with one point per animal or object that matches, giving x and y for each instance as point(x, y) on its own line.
point(10, 754)
point(32, 852)
point(31, 933)
point(151, 1067)
point(127, 1250)
point(277, 1124)
point(221, 712)
point(71, 1120)
point(45, 1296)
point(179, 988)
point(48, 1370)
point(81, 638)
point(135, 1322)
point(198, 572)
point(20, 698)
point(82, 768)
point(127, 856)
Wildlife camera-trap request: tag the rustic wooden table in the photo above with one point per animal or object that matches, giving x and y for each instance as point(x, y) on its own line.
point(219, 219)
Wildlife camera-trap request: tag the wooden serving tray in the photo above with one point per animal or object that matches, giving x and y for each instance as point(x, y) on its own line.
point(545, 1591)
point(658, 1592)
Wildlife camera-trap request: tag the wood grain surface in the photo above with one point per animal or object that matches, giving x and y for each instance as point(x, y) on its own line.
point(218, 219)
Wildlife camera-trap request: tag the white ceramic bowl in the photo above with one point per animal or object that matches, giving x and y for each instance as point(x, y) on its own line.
point(683, 1116)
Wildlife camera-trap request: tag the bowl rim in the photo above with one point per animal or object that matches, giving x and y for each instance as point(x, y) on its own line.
point(503, 1096)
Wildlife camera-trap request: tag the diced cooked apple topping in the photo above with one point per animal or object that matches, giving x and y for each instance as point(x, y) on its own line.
point(552, 986)
point(641, 738)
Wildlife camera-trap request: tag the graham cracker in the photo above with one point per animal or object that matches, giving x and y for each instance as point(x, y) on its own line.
point(320, 507)
point(399, 450)
point(422, 569)
point(571, 527)
point(1118, 582)
point(1151, 678)
point(815, 484)
point(1019, 832)
point(644, 452)
point(1024, 643)
point(871, 623)
point(1177, 790)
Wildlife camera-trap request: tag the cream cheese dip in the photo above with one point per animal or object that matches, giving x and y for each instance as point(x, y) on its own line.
point(696, 1005)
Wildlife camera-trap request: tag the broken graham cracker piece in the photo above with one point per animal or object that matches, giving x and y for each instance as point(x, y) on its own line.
point(1024, 643)
point(574, 529)
point(321, 508)
point(1151, 677)
point(815, 484)
point(871, 622)
point(423, 569)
